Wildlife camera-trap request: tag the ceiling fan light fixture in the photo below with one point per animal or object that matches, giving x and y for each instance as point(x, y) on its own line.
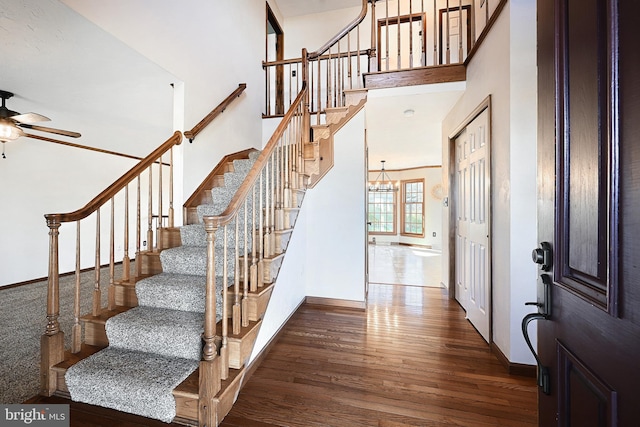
point(8, 131)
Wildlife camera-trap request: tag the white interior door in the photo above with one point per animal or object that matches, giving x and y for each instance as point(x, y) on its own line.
point(462, 219)
point(473, 261)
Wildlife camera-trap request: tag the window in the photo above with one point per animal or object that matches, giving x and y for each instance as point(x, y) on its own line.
point(413, 208)
point(382, 212)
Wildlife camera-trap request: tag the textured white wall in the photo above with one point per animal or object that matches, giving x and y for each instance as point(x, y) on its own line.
point(66, 68)
point(524, 98)
point(336, 238)
point(318, 263)
point(493, 71)
point(185, 38)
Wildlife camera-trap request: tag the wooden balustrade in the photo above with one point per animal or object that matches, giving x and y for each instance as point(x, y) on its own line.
point(405, 35)
point(336, 66)
point(116, 194)
point(255, 213)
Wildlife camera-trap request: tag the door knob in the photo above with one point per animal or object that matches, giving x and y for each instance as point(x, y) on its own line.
point(543, 256)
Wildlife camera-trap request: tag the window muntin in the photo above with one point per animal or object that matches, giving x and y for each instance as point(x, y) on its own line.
point(413, 208)
point(382, 212)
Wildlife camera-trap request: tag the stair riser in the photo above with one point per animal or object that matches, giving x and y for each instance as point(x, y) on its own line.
point(240, 349)
point(149, 263)
point(169, 237)
point(256, 303)
point(95, 334)
point(126, 296)
point(187, 406)
point(282, 241)
point(270, 269)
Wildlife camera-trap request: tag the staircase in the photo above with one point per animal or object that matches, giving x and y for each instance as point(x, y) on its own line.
point(144, 355)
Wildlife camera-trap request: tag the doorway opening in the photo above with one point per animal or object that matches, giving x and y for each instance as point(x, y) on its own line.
point(275, 52)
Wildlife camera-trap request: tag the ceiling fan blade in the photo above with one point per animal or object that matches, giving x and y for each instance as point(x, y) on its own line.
point(30, 117)
point(51, 130)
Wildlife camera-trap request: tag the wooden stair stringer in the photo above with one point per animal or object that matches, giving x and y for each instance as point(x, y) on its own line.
point(323, 158)
point(202, 195)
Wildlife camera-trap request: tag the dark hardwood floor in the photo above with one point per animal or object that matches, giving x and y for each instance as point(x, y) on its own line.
point(410, 360)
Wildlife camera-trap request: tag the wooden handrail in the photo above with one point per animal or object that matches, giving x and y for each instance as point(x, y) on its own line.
point(341, 34)
point(238, 199)
point(83, 147)
point(348, 54)
point(114, 188)
point(191, 134)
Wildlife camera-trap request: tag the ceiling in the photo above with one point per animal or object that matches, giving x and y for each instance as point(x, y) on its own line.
point(56, 59)
point(404, 125)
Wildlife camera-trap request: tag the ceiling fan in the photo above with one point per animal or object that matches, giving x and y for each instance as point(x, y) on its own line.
point(12, 124)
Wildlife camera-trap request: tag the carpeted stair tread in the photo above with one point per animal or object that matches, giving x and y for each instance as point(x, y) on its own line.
point(193, 235)
point(177, 291)
point(242, 165)
point(129, 381)
point(173, 291)
point(192, 260)
point(171, 333)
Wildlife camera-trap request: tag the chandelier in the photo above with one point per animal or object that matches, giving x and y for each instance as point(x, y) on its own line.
point(382, 183)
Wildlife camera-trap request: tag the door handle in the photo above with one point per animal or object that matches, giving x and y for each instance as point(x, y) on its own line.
point(544, 313)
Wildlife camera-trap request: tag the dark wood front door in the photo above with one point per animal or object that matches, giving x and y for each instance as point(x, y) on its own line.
point(589, 210)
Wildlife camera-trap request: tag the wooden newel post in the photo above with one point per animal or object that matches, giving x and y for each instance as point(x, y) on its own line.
point(209, 383)
point(52, 342)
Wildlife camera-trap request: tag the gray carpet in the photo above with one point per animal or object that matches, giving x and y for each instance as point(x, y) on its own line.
point(22, 323)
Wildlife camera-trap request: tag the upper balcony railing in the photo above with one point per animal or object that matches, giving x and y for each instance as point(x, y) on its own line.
point(400, 35)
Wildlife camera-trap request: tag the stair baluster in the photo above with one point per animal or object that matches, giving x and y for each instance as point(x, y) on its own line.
point(112, 246)
point(97, 292)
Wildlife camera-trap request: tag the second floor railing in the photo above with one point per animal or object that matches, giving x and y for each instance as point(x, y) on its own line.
point(400, 35)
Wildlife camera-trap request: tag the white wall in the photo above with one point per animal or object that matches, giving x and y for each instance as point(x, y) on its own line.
point(290, 289)
point(66, 68)
point(510, 79)
point(336, 238)
point(211, 46)
point(524, 97)
point(432, 207)
point(316, 264)
point(108, 76)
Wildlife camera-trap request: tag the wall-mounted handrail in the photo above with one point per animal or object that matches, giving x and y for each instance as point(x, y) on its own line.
point(191, 134)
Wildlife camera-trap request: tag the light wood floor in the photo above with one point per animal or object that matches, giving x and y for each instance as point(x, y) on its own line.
point(410, 360)
point(404, 265)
